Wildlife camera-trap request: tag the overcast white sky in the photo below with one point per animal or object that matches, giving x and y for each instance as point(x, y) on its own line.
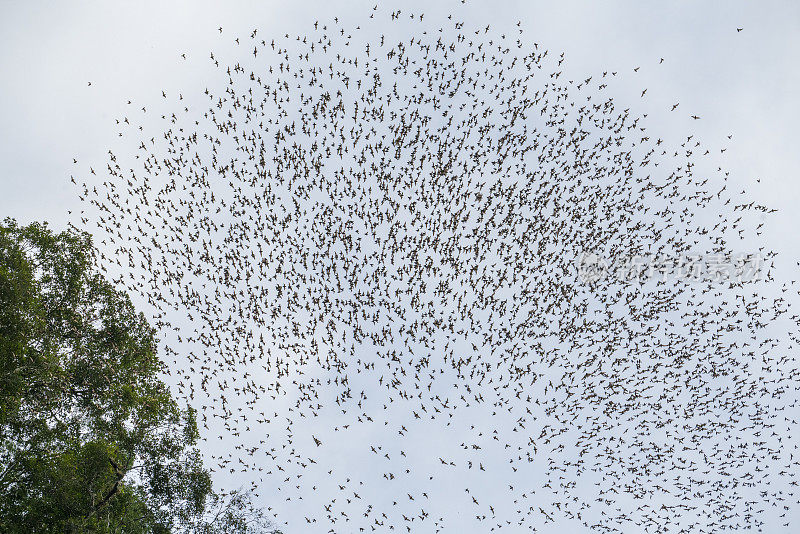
point(68, 70)
point(745, 84)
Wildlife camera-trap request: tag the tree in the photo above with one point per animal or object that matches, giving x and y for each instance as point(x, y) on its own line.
point(90, 438)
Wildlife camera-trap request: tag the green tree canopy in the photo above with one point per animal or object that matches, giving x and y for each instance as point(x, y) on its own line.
point(90, 438)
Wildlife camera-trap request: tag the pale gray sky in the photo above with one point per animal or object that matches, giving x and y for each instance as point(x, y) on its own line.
point(69, 70)
point(743, 84)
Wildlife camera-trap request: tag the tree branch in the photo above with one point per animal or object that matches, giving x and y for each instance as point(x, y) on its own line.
point(113, 491)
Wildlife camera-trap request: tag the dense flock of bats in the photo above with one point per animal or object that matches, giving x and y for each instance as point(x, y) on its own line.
point(361, 245)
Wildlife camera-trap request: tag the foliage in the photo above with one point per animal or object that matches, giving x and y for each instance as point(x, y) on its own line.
point(90, 438)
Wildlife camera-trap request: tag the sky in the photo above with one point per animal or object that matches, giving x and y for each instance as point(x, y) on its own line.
point(70, 69)
point(741, 83)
